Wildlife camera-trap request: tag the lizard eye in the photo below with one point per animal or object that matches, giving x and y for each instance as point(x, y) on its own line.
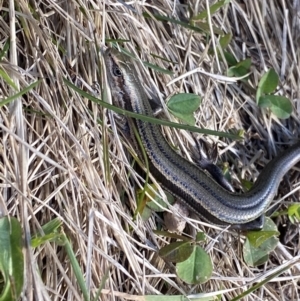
point(116, 71)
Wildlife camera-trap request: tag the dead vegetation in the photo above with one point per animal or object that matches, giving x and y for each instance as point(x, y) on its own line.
point(59, 158)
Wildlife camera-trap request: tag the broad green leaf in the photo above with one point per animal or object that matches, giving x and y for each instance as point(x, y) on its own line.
point(185, 118)
point(240, 69)
point(257, 238)
point(245, 64)
point(264, 102)
point(197, 268)
point(254, 256)
point(200, 236)
point(11, 259)
point(223, 43)
point(176, 252)
point(212, 9)
point(231, 60)
point(267, 84)
point(183, 105)
point(225, 40)
point(279, 105)
point(146, 213)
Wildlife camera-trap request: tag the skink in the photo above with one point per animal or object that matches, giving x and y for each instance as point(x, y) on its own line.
point(182, 178)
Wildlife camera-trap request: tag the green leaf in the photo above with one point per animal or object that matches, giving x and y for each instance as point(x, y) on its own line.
point(146, 213)
point(212, 9)
point(257, 238)
point(185, 118)
point(264, 102)
point(157, 68)
point(104, 279)
point(142, 199)
point(223, 43)
point(162, 58)
point(254, 256)
point(197, 268)
point(230, 59)
point(226, 171)
point(247, 185)
point(294, 212)
point(52, 237)
point(76, 269)
point(11, 259)
point(225, 40)
point(7, 79)
point(240, 69)
point(204, 27)
point(279, 105)
point(183, 105)
point(17, 95)
point(159, 205)
point(261, 284)
point(52, 226)
point(51, 234)
point(5, 48)
point(267, 83)
point(176, 252)
point(200, 236)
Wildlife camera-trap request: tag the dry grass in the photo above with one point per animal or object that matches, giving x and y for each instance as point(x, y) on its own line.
point(52, 145)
